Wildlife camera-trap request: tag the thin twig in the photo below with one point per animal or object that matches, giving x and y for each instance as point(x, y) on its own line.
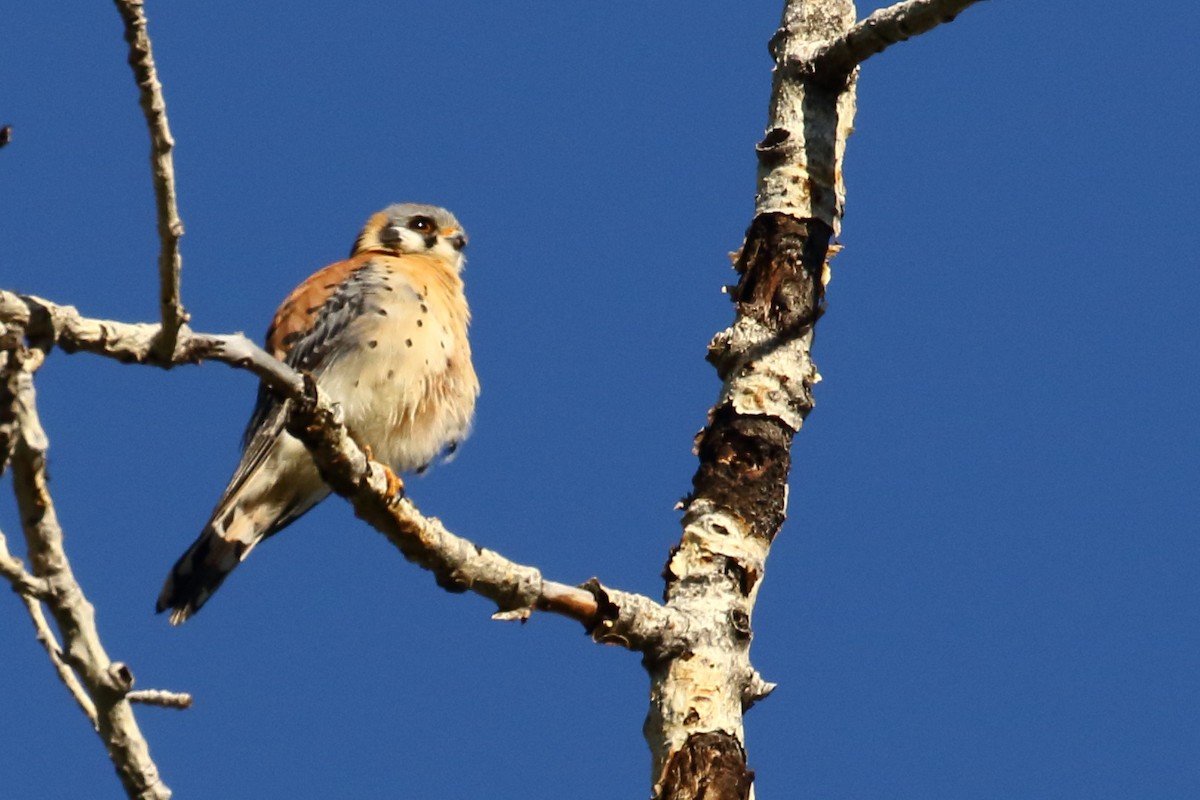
point(170, 226)
point(54, 651)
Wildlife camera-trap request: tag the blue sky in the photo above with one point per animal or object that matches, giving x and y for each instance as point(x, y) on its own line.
point(987, 586)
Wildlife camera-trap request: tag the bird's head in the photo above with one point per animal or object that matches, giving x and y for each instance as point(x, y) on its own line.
point(415, 228)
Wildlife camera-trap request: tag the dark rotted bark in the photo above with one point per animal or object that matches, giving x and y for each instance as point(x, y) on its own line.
point(709, 766)
point(745, 460)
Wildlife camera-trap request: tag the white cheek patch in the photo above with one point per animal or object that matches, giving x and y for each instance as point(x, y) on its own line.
point(411, 241)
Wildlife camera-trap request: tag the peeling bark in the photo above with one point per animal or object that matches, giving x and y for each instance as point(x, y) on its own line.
point(739, 493)
point(739, 497)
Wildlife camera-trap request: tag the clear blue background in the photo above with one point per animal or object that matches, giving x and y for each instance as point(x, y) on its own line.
point(988, 584)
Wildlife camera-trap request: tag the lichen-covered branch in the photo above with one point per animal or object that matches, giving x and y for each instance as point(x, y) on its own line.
point(610, 615)
point(104, 682)
point(170, 226)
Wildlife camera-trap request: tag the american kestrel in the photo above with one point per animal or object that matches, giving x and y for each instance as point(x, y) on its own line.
point(384, 333)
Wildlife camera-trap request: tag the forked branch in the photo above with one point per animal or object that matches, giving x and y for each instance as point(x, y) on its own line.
point(98, 684)
point(834, 60)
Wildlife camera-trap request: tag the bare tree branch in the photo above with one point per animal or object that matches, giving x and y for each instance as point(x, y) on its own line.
point(610, 615)
point(697, 642)
point(739, 498)
point(9, 377)
point(170, 226)
point(160, 698)
point(105, 682)
point(12, 570)
point(876, 33)
point(54, 651)
point(136, 342)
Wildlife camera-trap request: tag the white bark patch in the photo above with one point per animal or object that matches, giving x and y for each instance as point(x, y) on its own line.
point(716, 532)
point(774, 383)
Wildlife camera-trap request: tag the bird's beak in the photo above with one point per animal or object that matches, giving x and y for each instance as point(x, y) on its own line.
point(456, 238)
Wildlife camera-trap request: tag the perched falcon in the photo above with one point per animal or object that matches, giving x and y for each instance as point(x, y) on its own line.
point(384, 333)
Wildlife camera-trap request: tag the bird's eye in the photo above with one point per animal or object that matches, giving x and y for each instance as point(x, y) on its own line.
point(422, 225)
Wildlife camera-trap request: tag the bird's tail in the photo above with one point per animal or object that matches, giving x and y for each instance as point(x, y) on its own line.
point(205, 565)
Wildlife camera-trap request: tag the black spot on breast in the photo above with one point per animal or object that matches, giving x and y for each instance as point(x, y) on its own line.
point(424, 308)
point(391, 374)
point(408, 342)
point(356, 384)
point(373, 344)
point(420, 323)
point(381, 312)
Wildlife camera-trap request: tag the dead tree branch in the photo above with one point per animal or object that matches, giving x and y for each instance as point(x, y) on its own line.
point(739, 498)
point(98, 684)
point(888, 26)
point(696, 644)
point(609, 615)
point(160, 698)
point(32, 592)
point(162, 165)
point(54, 651)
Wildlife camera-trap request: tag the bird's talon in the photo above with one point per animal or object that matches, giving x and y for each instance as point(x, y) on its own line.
point(395, 486)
